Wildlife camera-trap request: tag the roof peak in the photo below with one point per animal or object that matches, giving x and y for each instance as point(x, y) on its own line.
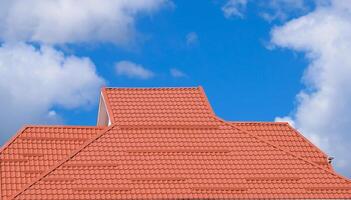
point(155, 106)
point(152, 88)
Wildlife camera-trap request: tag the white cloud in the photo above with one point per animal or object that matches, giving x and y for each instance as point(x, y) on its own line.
point(285, 119)
point(33, 81)
point(272, 10)
point(234, 8)
point(283, 9)
point(132, 70)
point(176, 73)
point(323, 112)
point(192, 38)
point(67, 21)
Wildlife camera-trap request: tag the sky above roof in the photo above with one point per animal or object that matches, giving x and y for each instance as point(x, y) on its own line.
point(275, 60)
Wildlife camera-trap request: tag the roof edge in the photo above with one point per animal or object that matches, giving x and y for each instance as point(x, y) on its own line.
point(107, 103)
point(59, 163)
point(24, 128)
point(258, 122)
point(289, 126)
point(14, 137)
point(288, 152)
point(191, 87)
point(205, 99)
point(63, 126)
point(6, 145)
point(308, 141)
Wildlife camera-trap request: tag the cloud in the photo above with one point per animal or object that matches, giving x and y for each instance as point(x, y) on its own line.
point(67, 21)
point(323, 109)
point(283, 10)
point(272, 10)
point(132, 70)
point(176, 73)
point(34, 80)
point(36, 77)
point(285, 119)
point(234, 8)
point(192, 38)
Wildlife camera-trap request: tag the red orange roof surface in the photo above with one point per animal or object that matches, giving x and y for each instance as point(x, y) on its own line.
point(34, 150)
point(286, 137)
point(166, 143)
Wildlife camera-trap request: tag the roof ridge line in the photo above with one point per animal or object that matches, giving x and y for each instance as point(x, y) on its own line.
point(14, 137)
point(192, 87)
point(292, 129)
point(61, 162)
point(6, 145)
point(205, 100)
point(258, 122)
point(305, 139)
point(62, 126)
point(107, 104)
point(288, 152)
point(25, 127)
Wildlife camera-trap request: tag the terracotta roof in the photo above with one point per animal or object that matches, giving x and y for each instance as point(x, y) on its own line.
point(34, 149)
point(180, 149)
point(285, 136)
point(160, 163)
point(158, 106)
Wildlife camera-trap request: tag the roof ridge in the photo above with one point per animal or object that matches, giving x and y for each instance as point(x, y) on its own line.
point(63, 126)
point(136, 88)
point(258, 122)
point(13, 138)
point(288, 152)
point(205, 100)
point(305, 139)
point(290, 127)
point(6, 145)
point(25, 127)
point(58, 164)
point(107, 104)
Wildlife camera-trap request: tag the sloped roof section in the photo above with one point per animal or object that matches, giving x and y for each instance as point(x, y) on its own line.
point(166, 143)
point(286, 137)
point(192, 163)
point(158, 106)
point(36, 148)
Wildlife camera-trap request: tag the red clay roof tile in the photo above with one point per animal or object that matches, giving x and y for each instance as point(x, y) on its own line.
point(167, 143)
point(34, 149)
point(285, 136)
point(150, 163)
point(158, 106)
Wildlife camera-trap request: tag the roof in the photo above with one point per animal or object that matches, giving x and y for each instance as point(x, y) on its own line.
point(36, 148)
point(172, 163)
point(197, 156)
point(286, 137)
point(158, 106)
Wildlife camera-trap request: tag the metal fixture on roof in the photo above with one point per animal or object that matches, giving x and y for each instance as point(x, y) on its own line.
point(330, 159)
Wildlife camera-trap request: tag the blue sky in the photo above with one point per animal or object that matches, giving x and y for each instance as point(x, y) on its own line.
point(278, 60)
point(242, 78)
